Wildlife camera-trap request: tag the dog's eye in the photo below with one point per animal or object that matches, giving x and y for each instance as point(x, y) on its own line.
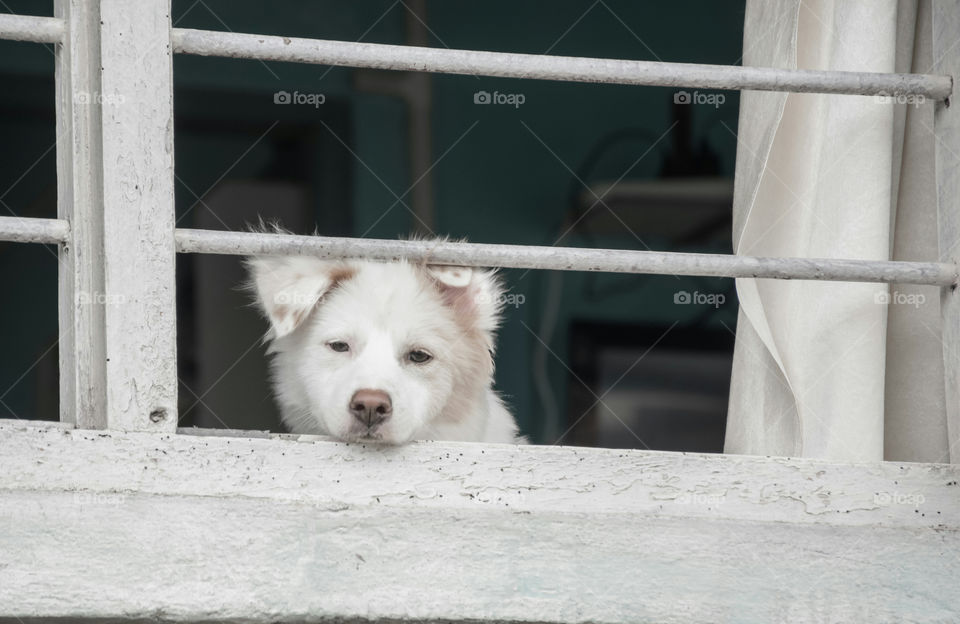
point(339, 346)
point(419, 357)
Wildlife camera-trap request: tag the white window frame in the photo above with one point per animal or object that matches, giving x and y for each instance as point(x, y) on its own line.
point(114, 513)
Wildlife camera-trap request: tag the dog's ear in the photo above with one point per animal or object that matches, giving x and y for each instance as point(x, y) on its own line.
point(476, 295)
point(288, 288)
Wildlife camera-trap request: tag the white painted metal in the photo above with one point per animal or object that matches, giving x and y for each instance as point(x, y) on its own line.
point(138, 215)
point(79, 200)
point(946, 53)
point(565, 258)
point(31, 28)
point(30, 230)
point(543, 67)
point(271, 529)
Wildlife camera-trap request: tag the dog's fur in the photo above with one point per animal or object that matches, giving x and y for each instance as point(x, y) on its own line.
point(339, 327)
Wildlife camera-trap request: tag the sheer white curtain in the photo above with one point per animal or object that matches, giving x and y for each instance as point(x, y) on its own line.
point(837, 370)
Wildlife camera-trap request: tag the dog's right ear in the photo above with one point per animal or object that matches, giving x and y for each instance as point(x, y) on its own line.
point(289, 288)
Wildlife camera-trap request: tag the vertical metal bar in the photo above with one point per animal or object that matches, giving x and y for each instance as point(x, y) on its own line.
point(138, 213)
point(946, 55)
point(79, 200)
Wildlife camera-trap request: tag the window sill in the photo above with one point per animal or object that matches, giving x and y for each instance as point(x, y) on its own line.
point(109, 524)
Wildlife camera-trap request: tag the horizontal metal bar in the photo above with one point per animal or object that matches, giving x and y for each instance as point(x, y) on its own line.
point(566, 258)
point(543, 67)
point(29, 230)
point(31, 28)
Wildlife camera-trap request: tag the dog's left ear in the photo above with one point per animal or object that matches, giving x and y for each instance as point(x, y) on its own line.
point(476, 295)
point(289, 288)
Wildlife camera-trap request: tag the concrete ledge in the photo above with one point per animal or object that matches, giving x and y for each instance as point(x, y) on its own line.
point(97, 524)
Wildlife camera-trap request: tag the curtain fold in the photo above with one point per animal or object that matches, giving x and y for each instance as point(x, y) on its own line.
point(836, 370)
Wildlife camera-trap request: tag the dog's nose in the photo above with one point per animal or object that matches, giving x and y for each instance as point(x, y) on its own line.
point(371, 407)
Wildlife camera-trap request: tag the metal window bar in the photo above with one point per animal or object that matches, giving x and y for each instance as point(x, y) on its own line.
point(147, 392)
point(543, 67)
point(566, 258)
point(31, 28)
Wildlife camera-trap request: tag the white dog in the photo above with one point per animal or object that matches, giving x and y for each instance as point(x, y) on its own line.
point(386, 352)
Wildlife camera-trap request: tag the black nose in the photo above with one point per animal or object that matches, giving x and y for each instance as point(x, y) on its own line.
point(371, 407)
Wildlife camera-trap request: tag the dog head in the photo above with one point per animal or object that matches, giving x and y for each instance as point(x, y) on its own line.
point(386, 352)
